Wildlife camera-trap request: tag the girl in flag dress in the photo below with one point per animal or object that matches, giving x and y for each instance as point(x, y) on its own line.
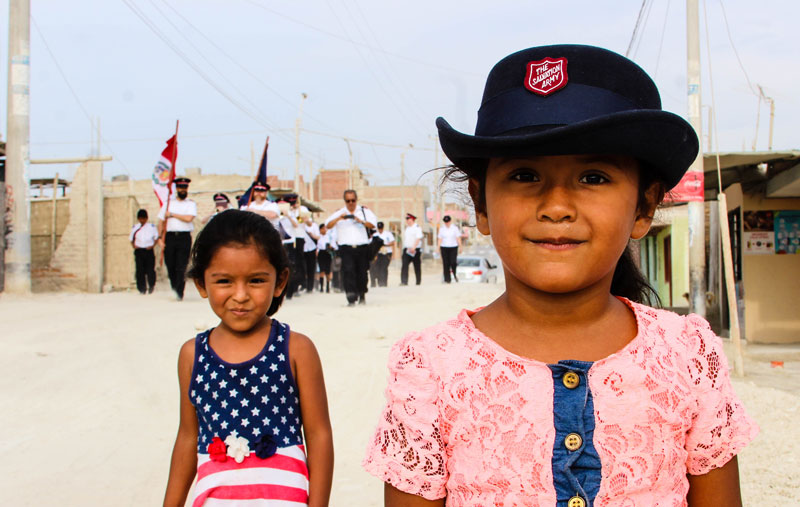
point(567, 390)
point(254, 425)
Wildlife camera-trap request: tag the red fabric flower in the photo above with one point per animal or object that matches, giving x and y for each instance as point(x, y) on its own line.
point(217, 450)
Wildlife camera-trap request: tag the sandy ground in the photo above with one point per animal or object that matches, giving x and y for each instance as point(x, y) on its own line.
point(90, 394)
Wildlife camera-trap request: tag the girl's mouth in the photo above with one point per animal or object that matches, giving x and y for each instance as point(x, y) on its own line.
point(239, 312)
point(557, 243)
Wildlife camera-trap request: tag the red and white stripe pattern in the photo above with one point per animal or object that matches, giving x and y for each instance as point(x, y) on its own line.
point(278, 481)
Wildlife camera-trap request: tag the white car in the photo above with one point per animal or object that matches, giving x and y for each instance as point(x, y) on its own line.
point(476, 269)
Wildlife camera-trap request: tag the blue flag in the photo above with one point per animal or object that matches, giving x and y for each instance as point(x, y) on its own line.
point(244, 200)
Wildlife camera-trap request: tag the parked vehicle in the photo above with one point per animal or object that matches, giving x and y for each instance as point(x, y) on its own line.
point(476, 269)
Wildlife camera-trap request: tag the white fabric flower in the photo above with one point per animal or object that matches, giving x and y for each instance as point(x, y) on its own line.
point(238, 448)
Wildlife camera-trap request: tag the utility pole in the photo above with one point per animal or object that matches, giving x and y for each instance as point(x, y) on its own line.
point(253, 162)
point(18, 249)
point(402, 194)
point(297, 145)
point(350, 166)
point(697, 215)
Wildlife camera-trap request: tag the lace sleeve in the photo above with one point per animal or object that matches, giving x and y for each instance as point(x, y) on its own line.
point(407, 450)
point(720, 427)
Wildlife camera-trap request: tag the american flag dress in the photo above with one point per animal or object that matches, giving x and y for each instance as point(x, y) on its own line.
point(249, 446)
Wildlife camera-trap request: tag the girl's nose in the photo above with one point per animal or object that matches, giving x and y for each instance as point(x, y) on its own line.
point(240, 292)
point(556, 205)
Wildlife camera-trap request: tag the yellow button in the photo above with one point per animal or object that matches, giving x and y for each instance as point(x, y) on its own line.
point(576, 501)
point(571, 380)
point(573, 442)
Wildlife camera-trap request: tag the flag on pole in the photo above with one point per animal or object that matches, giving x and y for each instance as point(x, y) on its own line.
point(244, 200)
point(164, 171)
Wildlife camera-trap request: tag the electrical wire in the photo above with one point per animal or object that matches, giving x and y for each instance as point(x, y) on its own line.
point(635, 28)
point(143, 17)
point(74, 93)
point(448, 70)
point(242, 67)
point(211, 64)
point(648, 9)
point(661, 43)
point(735, 52)
point(397, 80)
point(370, 69)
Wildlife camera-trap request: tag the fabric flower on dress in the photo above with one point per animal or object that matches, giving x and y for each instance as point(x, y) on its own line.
point(217, 451)
point(266, 447)
point(238, 448)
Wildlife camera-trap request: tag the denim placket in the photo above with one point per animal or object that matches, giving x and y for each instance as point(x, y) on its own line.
point(574, 472)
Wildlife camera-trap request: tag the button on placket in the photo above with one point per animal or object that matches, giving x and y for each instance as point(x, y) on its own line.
point(571, 380)
point(573, 442)
point(576, 501)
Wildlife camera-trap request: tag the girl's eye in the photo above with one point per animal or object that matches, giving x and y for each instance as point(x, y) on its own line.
point(524, 175)
point(594, 179)
point(222, 281)
point(258, 280)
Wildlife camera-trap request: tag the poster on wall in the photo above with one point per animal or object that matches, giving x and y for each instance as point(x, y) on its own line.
point(787, 232)
point(758, 232)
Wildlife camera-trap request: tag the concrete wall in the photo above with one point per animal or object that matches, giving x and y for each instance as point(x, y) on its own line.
point(771, 282)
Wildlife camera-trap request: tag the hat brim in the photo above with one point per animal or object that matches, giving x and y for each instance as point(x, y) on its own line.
point(664, 141)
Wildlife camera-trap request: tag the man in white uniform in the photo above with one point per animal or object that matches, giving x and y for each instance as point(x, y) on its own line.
point(379, 271)
point(412, 244)
point(143, 238)
point(351, 223)
point(449, 242)
point(259, 204)
point(179, 212)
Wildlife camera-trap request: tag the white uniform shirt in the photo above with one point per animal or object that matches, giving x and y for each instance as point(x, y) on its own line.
point(299, 230)
point(288, 226)
point(324, 241)
point(265, 205)
point(411, 235)
point(350, 232)
point(178, 207)
point(449, 235)
point(387, 238)
point(146, 237)
point(310, 244)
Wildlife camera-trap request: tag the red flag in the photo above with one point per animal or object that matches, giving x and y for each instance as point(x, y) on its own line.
point(164, 171)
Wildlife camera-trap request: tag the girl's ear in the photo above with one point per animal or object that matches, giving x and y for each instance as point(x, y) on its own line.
point(652, 198)
point(481, 219)
point(283, 281)
point(200, 288)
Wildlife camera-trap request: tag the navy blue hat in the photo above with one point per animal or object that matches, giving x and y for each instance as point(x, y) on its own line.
point(182, 182)
point(572, 99)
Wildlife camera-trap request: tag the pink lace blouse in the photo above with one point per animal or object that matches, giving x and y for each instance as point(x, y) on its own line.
point(467, 420)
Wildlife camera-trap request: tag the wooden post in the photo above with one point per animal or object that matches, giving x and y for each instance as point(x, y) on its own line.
point(730, 284)
point(53, 219)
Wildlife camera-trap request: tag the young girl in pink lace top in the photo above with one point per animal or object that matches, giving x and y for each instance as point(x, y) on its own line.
point(566, 390)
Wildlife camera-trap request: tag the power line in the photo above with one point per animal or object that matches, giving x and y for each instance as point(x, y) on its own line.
point(369, 68)
point(195, 67)
point(345, 39)
point(636, 28)
point(735, 52)
point(661, 43)
point(74, 93)
point(247, 71)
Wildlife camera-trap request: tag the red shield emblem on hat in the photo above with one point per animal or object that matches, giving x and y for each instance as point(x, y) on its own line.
point(546, 76)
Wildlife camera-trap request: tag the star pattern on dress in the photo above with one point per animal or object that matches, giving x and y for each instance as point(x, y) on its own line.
point(233, 399)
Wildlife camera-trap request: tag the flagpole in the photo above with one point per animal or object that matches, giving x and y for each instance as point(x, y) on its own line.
point(169, 192)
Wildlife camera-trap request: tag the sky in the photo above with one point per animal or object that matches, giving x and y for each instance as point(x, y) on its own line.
point(378, 73)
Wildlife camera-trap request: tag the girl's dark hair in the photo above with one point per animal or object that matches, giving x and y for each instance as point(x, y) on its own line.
point(241, 228)
point(628, 280)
